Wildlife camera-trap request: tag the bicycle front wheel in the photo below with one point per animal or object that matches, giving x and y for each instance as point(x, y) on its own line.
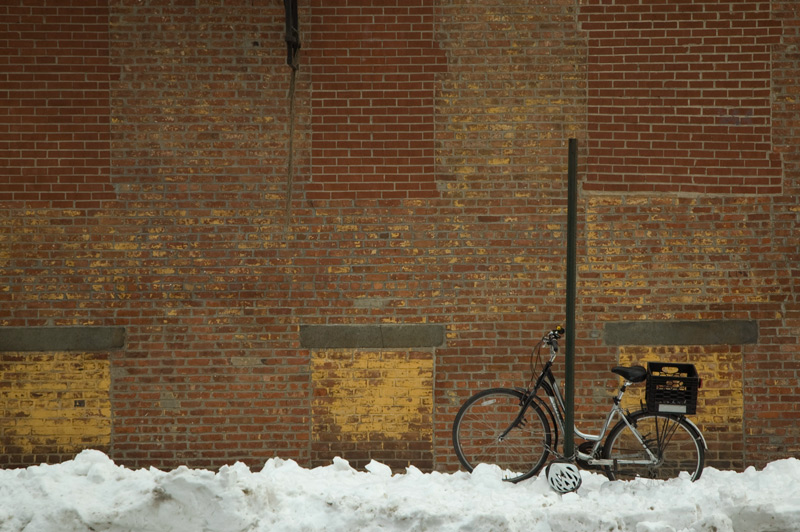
point(485, 431)
point(674, 442)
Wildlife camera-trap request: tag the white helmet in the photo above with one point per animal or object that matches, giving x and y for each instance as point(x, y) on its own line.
point(563, 476)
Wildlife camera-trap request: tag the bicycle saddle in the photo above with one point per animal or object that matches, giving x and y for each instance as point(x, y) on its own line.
point(630, 374)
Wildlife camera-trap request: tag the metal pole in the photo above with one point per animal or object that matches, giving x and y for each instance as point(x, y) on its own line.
point(572, 237)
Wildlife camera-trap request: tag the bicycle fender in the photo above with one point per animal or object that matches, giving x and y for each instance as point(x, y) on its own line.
point(702, 438)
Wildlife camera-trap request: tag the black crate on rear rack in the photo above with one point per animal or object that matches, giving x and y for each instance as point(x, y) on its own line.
point(671, 388)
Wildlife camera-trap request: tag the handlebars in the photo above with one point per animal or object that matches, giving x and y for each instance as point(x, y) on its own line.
point(555, 334)
point(551, 339)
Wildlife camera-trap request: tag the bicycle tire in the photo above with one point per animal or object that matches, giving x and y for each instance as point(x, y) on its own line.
point(676, 442)
point(521, 453)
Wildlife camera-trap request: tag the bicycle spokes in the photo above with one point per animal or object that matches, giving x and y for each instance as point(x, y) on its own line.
point(491, 429)
point(658, 446)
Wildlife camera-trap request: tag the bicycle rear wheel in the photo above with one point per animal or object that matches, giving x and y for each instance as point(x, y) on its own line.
point(481, 421)
point(670, 438)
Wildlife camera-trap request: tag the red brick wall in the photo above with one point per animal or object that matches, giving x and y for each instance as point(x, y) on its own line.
point(201, 125)
point(514, 91)
point(54, 124)
point(144, 183)
point(771, 372)
point(372, 67)
point(692, 214)
point(679, 97)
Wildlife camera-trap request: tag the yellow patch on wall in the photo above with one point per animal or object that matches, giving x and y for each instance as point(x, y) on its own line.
point(54, 403)
point(373, 393)
point(373, 405)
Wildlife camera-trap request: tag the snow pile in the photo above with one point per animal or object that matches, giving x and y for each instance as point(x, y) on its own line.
point(91, 493)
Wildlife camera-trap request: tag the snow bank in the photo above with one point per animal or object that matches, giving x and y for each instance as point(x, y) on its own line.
point(91, 493)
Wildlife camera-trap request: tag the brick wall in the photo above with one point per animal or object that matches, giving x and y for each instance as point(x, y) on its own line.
point(372, 66)
point(54, 128)
point(514, 91)
point(149, 182)
point(679, 97)
point(771, 372)
point(718, 246)
point(200, 122)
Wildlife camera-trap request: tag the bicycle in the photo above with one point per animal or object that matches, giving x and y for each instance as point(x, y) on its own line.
point(517, 430)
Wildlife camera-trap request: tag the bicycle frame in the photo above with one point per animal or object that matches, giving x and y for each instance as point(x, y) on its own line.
point(548, 382)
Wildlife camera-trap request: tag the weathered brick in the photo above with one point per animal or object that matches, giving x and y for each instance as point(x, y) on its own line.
point(147, 188)
point(56, 403)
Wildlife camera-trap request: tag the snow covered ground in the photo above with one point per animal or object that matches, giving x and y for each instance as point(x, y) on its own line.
point(91, 493)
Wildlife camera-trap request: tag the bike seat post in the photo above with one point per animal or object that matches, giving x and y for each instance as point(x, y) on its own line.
point(621, 392)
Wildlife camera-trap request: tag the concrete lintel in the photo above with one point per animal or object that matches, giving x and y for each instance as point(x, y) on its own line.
point(88, 338)
point(701, 332)
point(371, 336)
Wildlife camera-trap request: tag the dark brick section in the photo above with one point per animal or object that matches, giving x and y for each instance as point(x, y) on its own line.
point(370, 336)
point(697, 107)
point(710, 332)
point(372, 72)
point(55, 78)
point(61, 338)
